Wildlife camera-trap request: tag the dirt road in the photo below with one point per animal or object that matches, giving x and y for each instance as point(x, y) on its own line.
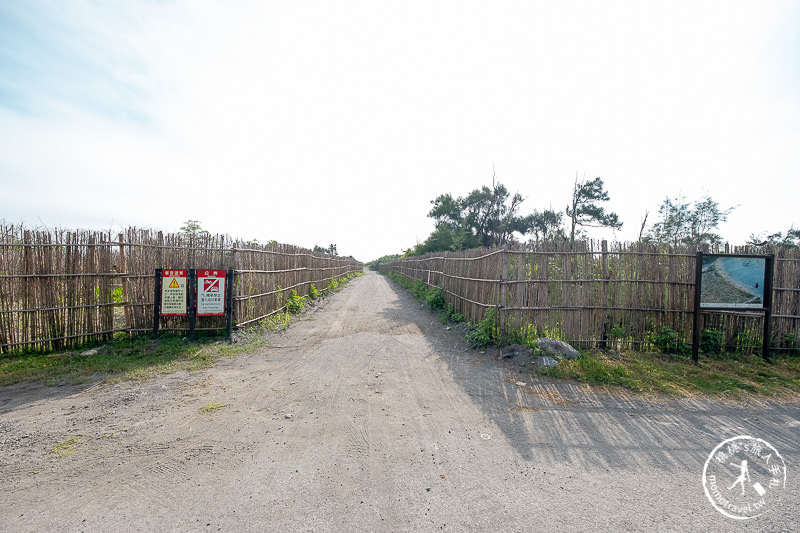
point(368, 415)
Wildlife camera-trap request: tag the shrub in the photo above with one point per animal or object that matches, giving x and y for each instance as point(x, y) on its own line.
point(791, 340)
point(746, 342)
point(667, 340)
point(711, 341)
point(435, 298)
point(313, 292)
point(483, 333)
point(295, 303)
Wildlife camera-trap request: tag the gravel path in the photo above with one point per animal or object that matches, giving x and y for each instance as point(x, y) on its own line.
point(368, 415)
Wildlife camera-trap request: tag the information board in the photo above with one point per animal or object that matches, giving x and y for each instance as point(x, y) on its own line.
point(173, 292)
point(733, 282)
point(210, 292)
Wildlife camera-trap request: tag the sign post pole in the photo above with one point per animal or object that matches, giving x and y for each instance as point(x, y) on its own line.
point(228, 303)
point(770, 271)
point(698, 273)
point(192, 297)
point(157, 303)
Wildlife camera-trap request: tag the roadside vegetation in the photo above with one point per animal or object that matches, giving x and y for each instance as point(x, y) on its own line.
point(664, 368)
point(492, 217)
point(139, 358)
point(376, 263)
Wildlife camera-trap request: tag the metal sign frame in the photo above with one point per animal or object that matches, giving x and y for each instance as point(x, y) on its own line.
point(191, 299)
point(744, 280)
point(737, 286)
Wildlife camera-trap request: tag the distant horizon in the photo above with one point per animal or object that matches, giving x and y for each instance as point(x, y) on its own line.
point(114, 232)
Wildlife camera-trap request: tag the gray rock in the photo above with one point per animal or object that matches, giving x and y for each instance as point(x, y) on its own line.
point(546, 360)
point(558, 349)
point(516, 352)
point(462, 328)
point(93, 351)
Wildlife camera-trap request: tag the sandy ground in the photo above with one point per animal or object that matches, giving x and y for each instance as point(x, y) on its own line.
point(368, 415)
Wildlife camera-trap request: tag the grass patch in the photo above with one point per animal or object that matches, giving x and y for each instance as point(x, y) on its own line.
point(431, 295)
point(721, 374)
point(66, 448)
point(733, 376)
point(212, 407)
point(140, 358)
point(137, 358)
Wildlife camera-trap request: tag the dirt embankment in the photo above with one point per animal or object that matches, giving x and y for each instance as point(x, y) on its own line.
point(368, 415)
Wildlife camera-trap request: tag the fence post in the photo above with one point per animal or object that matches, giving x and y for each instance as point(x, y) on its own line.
point(698, 274)
point(503, 282)
point(28, 298)
point(604, 294)
point(768, 276)
point(160, 250)
point(229, 304)
point(232, 282)
point(123, 271)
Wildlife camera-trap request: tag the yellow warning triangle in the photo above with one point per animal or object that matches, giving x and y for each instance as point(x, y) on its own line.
point(174, 284)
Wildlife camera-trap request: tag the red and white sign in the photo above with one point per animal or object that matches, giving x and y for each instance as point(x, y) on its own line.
point(173, 292)
point(210, 292)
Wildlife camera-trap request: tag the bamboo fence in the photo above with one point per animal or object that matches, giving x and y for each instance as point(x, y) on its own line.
point(598, 295)
point(61, 288)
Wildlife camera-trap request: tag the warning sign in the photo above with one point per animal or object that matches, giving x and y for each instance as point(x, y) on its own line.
point(173, 292)
point(210, 292)
point(211, 285)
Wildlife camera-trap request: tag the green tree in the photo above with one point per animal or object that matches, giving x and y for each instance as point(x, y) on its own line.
point(446, 211)
point(375, 264)
point(487, 216)
point(331, 249)
point(585, 211)
point(791, 239)
point(491, 214)
point(547, 225)
point(192, 228)
point(682, 222)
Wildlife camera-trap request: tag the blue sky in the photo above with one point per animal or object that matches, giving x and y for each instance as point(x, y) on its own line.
point(337, 122)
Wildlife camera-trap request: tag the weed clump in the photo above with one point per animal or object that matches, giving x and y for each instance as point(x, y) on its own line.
point(211, 407)
point(313, 292)
point(668, 341)
point(484, 333)
point(295, 303)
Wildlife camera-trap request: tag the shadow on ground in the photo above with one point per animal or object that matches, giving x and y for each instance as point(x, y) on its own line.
point(592, 427)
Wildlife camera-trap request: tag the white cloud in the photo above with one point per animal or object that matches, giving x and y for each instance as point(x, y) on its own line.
point(318, 123)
